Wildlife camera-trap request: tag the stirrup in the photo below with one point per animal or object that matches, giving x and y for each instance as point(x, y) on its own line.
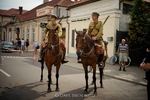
point(100, 65)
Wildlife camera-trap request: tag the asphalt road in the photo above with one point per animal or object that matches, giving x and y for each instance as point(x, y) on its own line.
point(20, 80)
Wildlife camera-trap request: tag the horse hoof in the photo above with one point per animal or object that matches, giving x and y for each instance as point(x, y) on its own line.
point(57, 90)
point(85, 91)
point(41, 80)
point(95, 93)
point(49, 90)
point(92, 83)
point(101, 86)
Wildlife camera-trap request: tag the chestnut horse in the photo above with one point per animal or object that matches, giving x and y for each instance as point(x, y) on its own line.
point(85, 49)
point(53, 56)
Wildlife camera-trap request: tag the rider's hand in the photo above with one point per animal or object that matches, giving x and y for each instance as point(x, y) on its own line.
point(94, 38)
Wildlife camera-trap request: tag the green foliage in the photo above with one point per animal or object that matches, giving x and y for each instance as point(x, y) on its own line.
point(139, 26)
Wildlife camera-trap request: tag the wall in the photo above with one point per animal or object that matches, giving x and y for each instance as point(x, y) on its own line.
point(104, 8)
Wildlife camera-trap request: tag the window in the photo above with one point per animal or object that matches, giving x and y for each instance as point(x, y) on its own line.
point(126, 8)
point(33, 34)
point(74, 38)
point(27, 34)
point(23, 34)
point(42, 30)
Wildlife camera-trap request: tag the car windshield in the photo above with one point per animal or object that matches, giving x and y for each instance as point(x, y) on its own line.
point(7, 43)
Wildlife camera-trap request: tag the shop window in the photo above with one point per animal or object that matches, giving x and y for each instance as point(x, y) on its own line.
point(126, 8)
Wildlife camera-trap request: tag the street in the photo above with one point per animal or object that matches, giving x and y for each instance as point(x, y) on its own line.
point(20, 80)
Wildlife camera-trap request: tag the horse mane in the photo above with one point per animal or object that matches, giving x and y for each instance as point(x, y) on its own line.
point(90, 40)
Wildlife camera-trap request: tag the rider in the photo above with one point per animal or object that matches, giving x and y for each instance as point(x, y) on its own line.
point(95, 30)
point(52, 25)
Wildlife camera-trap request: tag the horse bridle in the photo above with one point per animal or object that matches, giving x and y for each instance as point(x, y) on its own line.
point(82, 48)
point(53, 45)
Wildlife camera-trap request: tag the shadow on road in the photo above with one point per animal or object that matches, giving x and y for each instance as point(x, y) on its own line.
point(23, 92)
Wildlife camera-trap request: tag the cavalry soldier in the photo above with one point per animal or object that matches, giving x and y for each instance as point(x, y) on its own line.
point(95, 30)
point(52, 25)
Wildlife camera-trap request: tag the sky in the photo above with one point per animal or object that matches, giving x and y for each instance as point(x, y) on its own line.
point(26, 4)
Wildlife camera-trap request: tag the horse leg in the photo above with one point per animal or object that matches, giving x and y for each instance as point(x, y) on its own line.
point(94, 79)
point(49, 79)
point(101, 77)
point(86, 78)
point(57, 76)
point(42, 67)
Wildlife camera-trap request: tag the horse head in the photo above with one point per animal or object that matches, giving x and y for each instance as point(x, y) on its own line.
point(84, 44)
point(53, 38)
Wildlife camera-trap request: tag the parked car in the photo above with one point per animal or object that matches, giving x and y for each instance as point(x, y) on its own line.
point(7, 46)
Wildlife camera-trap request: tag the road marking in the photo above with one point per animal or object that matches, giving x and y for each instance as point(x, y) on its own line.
point(5, 73)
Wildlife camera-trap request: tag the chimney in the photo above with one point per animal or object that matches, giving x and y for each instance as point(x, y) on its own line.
point(20, 10)
point(45, 1)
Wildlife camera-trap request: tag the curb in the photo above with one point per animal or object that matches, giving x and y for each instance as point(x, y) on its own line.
point(115, 77)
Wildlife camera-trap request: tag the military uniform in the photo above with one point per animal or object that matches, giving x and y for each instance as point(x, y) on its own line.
point(45, 35)
point(52, 26)
point(96, 30)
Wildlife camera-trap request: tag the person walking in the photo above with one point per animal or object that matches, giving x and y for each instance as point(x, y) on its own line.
point(146, 65)
point(35, 46)
point(22, 45)
point(123, 53)
point(27, 44)
point(19, 45)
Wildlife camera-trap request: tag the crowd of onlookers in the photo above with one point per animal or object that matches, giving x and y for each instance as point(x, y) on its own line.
point(21, 44)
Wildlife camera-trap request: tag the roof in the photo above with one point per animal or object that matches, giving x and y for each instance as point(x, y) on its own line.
point(32, 13)
point(11, 12)
point(80, 3)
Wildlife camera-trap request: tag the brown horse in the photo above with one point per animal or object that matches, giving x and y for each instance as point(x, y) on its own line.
point(53, 56)
point(85, 49)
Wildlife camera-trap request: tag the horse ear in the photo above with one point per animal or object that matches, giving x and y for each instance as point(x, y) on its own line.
point(84, 31)
point(76, 31)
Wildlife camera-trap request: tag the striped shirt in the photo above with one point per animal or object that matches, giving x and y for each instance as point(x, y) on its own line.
point(123, 48)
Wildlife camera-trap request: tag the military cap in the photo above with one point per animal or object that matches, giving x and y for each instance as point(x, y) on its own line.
point(95, 13)
point(53, 16)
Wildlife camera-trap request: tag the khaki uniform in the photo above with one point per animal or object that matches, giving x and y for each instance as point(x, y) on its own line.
point(52, 26)
point(96, 30)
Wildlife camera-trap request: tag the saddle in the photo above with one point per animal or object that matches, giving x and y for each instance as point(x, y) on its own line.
point(98, 49)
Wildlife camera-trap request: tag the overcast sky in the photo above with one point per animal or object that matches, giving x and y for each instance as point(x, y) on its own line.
point(26, 4)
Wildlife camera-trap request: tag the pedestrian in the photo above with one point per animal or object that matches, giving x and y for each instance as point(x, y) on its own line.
point(35, 47)
point(27, 44)
point(146, 65)
point(16, 43)
point(13, 42)
point(95, 31)
point(19, 45)
point(123, 53)
point(22, 45)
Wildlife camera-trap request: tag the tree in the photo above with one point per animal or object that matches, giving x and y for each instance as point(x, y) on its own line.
point(139, 26)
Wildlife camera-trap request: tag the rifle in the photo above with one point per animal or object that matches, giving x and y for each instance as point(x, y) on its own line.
point(106, 19)
point(60, 20)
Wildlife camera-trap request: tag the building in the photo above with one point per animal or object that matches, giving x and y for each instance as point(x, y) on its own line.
point(30, 24)
point(80, 18)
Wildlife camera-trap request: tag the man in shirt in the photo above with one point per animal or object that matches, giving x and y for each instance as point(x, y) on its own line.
point(123, 53)
point(53, 25)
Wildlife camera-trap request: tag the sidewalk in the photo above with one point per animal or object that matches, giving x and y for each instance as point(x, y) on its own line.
point(133, 74)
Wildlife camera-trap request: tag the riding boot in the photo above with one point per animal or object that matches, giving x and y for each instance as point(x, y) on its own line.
point(64, 60)
point(42, 55)
point(79, 59)
point(100, 62)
